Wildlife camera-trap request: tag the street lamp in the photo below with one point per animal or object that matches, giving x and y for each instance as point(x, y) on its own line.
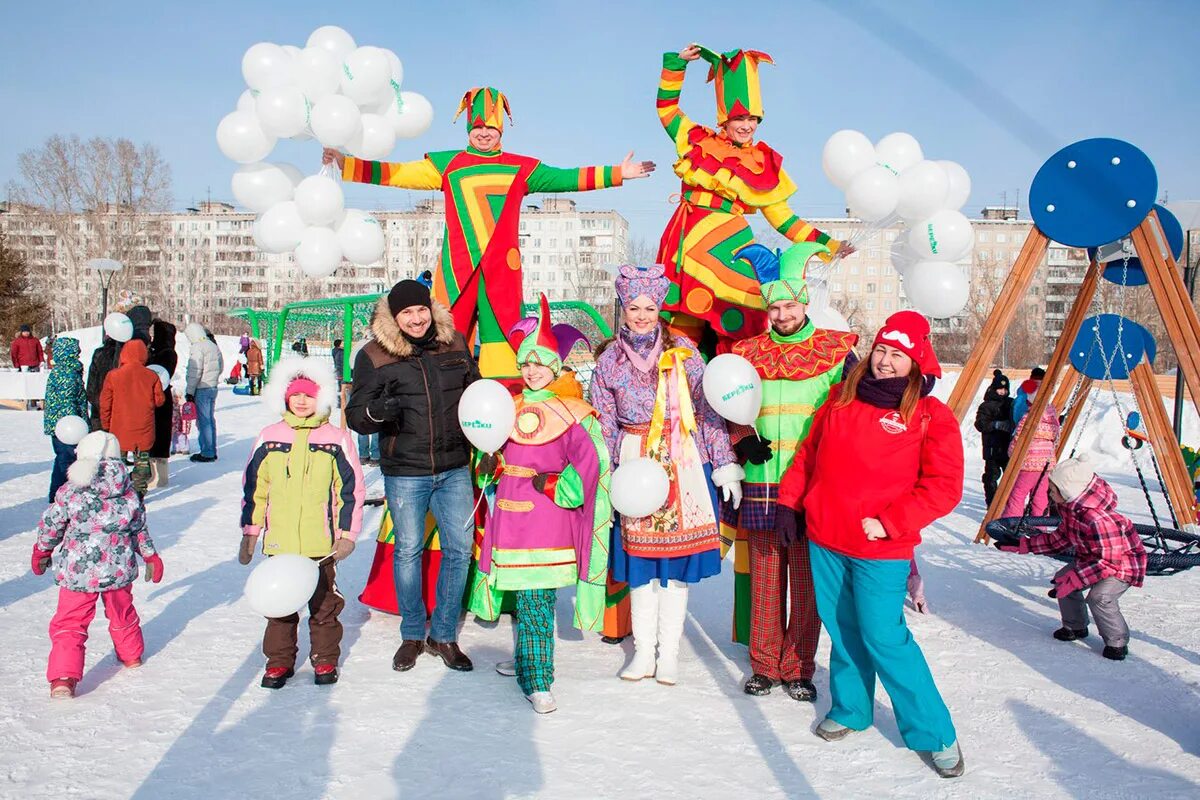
point(107, 267)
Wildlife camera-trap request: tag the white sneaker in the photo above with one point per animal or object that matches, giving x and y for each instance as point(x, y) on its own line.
point(543, 702)
point(506, 668)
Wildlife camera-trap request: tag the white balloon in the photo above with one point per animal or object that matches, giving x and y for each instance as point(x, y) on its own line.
point(898, 151)
point(242, 139)
point(71, 429)
point(361, 237)
point(318, 253)
point(333, 40)
point(279, 228)
point(923, 188)
point(118, 327)
point(266, 65)
point(335, 120)
point(829, 318)
point(291, 50)
point(396, 67)
point(318, 73)
point(413, 118)
point(873, 193)
point(281, 585)
point(937, 289)
point(486, 413)
point(164, 377)
point(246, 101)
point(902, 256)
point(365, 73)
point(945, 236)
point(292, 172)
point(319, 200)
point(846, 154)
point(639, 487)
point(262, 185)
point(960, 185)
point(376, 138)
point(733, 388)
point(282, 111)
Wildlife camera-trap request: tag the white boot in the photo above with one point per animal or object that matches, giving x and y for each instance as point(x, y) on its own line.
point(672, 611)
point(158, 474)
point(643, 612)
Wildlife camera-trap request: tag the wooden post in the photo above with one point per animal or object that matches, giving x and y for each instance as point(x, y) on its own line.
point(1063, 393)
point(998, 322)
point(1179, 315)
point(1038, 405)
point(1176, 482)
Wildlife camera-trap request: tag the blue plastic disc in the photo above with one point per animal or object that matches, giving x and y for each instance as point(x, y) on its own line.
point(1096, 353)
point(1133, 274)
point(1133, 421)
point(1093, 192)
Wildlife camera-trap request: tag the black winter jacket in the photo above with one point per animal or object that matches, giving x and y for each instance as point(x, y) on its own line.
point(995, 409)
point(427, 439)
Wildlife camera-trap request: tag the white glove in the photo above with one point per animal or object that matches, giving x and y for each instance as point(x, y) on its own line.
point(732, 490)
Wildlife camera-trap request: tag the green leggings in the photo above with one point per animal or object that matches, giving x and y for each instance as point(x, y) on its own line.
point(534, 659)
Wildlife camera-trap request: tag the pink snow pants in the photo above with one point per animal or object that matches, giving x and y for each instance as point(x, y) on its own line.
point(1026, 478)
point(69, 629)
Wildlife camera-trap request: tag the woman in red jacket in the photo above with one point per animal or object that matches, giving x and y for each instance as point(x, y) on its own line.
point(131, 393)
point(883, 460)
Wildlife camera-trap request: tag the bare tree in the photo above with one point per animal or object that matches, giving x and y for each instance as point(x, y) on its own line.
point(97, 199)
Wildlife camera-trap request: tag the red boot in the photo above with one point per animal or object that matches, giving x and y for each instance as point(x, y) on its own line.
point(276, 677)
point(325, 674)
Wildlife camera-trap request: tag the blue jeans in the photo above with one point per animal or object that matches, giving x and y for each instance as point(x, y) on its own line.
point(368, 446)
point(861, 604)
point(64, 456)
point(449, 495)
point(206, 421)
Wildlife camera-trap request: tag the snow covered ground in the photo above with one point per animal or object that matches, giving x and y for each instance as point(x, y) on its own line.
point(1036, 717)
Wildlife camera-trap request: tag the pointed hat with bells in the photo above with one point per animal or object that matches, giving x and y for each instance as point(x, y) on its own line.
point(736, 76)
point(539, 342)
point(781, 275)
point(485, 107)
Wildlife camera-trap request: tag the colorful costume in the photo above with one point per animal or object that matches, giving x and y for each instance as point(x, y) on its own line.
point(648, 393)
point(797, 373)
point(722, 183)
point(550, 516)
point(479, 275)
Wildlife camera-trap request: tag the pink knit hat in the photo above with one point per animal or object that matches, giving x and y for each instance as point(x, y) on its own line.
point(301, 385)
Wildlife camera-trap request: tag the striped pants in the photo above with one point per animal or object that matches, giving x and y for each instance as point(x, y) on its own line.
point(783, 645)
point(534, 658)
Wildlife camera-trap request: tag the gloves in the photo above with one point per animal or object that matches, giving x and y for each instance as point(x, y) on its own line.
point(342, 548)
point(541, 479)
point(787, 527)
point(916, 593)
point(1066, 582)
point(246, 549)
point(732, 492)
point(753, 450)
point(489, 464)
point(154, 569)
point(1002, 425)
point(1022, 546)
point(40, 561)
point(386, 409)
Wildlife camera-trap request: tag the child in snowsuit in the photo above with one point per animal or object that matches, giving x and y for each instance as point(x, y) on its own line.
point(1109, 556)
point(1039, 459)
point(994, 421)
point(303, 492)
point(101, 525)
point(183, 414)
point(65, 397)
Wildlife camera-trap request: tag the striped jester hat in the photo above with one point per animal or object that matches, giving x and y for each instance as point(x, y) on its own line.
point(542, 343)
point(485, 108)
point(781, 275)
point(736, 75)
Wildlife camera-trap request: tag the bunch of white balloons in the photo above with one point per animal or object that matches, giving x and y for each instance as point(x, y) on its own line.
point(892, 178)
point(343, 95)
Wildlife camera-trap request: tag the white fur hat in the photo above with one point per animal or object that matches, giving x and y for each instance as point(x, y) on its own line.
point(288, 368)
point(1073, 476)
point(93, 447)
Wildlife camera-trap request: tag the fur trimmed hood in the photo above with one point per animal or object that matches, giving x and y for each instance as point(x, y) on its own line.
point(288, 369)
point(92, 450)
point(387, 332)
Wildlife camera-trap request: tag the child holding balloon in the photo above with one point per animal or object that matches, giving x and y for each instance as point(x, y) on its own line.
point(303, 493)
point(65, 397)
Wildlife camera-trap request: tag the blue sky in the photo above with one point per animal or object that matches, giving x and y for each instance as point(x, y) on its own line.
point(995, 86)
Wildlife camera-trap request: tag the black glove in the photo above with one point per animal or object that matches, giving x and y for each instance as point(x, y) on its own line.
point(754, 450)
point(1002, 425)
point(488, 464)
point(540, 480)
point(787, 525)
point(386, 409)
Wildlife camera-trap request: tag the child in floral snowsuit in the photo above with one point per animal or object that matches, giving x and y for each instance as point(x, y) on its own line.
point(101, 524)
point(182, 416)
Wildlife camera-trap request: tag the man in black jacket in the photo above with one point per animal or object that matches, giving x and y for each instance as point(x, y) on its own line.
point(994, 421)
point(407, 384)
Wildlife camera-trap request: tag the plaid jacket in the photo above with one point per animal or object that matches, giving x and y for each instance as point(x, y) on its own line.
point(1105, 542)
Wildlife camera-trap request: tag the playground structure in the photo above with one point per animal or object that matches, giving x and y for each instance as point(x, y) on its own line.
point(1099, 194)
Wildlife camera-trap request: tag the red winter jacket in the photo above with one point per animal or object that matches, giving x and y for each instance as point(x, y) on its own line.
point(26, 351)
point(131, 393)
point(861, 461)
point(1105, 542)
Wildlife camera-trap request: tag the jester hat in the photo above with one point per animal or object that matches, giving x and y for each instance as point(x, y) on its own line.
point(736, 76)
point(781, 275)
point(485, 108)
point(540, 342)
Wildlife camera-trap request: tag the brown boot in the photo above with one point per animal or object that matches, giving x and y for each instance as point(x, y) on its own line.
point(158, 473)
point(406, 656)
point(451, 656)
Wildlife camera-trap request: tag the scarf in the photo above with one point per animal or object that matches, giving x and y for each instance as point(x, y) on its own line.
point(887, 392)
point(427, 340)
point(649, 343)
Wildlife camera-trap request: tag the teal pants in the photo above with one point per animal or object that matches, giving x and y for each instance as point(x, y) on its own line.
point(861, 603)
point(534, 659)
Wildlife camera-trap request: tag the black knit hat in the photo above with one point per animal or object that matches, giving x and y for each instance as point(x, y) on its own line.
point(1037, 373)
point(999, 380)
point(26, 329)
point(408, 293)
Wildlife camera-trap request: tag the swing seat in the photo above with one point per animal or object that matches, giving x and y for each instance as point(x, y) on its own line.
point(1161, 557)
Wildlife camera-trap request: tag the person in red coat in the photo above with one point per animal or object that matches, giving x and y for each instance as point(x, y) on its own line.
point(131, 393)
point(26, 351)
point(883, 460)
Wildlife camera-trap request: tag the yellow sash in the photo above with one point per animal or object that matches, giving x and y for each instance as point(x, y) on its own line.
point(672, 360)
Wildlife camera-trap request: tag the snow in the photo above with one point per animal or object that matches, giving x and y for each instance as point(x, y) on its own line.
point(1036, 717)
